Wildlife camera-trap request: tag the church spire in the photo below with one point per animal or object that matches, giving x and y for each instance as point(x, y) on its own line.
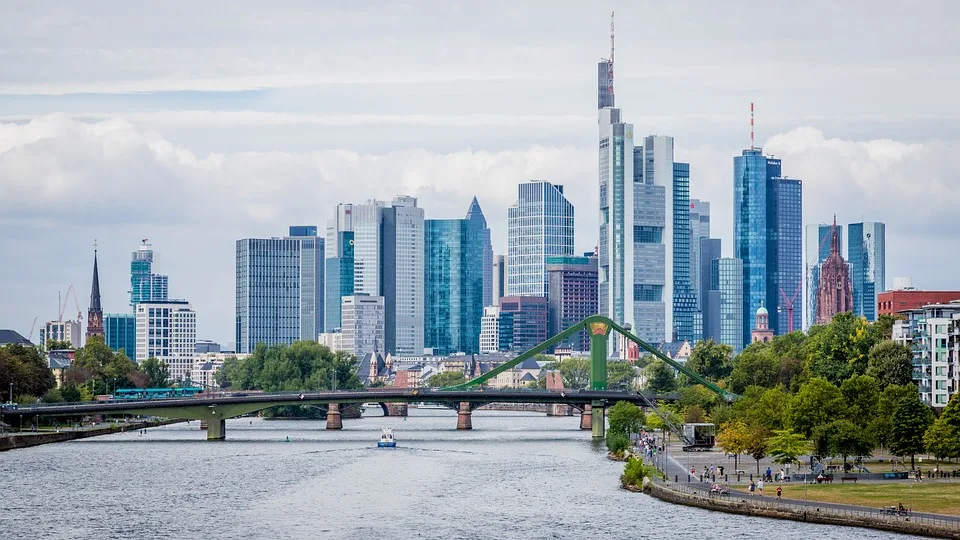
point(834, 241)
point(95, 311)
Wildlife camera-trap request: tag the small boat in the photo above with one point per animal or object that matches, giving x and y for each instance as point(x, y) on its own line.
point(386, 439)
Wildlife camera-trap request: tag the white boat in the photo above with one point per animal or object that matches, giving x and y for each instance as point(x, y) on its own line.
point(386, 439)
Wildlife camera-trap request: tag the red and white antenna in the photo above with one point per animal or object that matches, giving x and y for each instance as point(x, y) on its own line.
point(752, 147)
point(610, 78)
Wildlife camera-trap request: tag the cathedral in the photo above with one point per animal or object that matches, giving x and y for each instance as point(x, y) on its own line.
point(835, 294)
point(95, 312)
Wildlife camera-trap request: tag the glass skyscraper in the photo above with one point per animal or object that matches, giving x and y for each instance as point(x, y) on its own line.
point(279, 296)
point(699, 229)
point(352, 256)
point(767, 234)
point(146, 286)
point(455, 281)
point(710, 296)
point(539, 225)
point(402, 276)
point(727, 278)
point(866, 252)
point(817, 248)
point(120, 332)
point(572, 297)
point(684, 299)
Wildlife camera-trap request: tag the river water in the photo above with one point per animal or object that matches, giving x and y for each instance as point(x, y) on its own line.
point(515, 476)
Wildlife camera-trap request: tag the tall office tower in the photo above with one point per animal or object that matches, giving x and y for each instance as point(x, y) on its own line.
point(474, 213)
point(789, 312)
point(539, 225)
point(167, 331)
point(352, 256)
point(710, 297)
point(571, 298)
point(816, 250)
point(528, 316)
point(95, 311)
point(757, 229)
point(490, 330)
point(727, 279)
point(121, 332)
point(146, 286)
point(279, 290)
point(699, 229)
point(402, 276)
point(866, 252)
point(363, 324)
point(684, 297)
point(499, 279)
point(835, 294)
point(454, 282)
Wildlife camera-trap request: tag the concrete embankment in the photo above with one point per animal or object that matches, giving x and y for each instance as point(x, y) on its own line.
point(867, 517)
point(26, 440)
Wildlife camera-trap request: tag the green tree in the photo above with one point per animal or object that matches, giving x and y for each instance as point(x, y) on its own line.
point(58, 345)
point(942, 440)
point(626, 418)
point(911, 419)
point(575, 372)
point(757, 444)
point(734, 438)
point(620, 375)
point(26, 369)
point(838, 350)
point(755, 366)
point(661, 378)
point(694, 414)
point(861, 395)
point(890, 363)
point(786, 447)
point(848, 439)
point(711, 360)
point(882, 425)
point(698, 396)
point(817, 403)
point(617, 443)
point(156, 371)
point(446, 378)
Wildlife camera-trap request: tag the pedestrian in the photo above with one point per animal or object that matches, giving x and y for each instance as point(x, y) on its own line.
point(779, 492)
point(767, 475)
point(760, 488)
point(720, 468)
point(752, 487)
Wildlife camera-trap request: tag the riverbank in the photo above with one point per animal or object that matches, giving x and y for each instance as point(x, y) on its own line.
point(10, 441)
point(921, 525)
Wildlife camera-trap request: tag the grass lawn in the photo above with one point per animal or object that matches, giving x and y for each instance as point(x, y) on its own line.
point(940, 498)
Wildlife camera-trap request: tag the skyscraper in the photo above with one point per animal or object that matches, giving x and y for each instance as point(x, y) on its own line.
point(867, 255)
point(699, 229)
point(454, 281)
point(474, 213)
point(528, 316)
point(279, 294)
point(352, 256)
point(572, 297)
point(167, 331)
point(727, 279)
point(145, 286)
point(789, 255)
point(363, 324)
point(539, 225)
point(767, 237)
point(817, 249)
point(121, 332)
point(684, 298)
point(499, 279)
point(95, 311)
point(710, 297)
point(402, 276)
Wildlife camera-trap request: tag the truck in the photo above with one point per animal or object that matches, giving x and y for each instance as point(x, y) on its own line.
point(699, 437)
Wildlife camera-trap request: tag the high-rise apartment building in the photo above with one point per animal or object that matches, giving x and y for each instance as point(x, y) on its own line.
point(455, 281)
point(817, 248)
point(167, 331)
point(539, 225)
point(933, 334)
point(63, 331)
point(363, 324)
point(280, 289)
point(767, 238)
point(499, 279)
point(571, 297)
point(402, 276)
point(866, 252)
point(145, 286)
point(727, 279)
point(121, 332)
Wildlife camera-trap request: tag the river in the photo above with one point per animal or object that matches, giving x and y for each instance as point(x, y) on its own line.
point(515, 476)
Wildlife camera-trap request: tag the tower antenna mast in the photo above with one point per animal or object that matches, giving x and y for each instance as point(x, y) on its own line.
point(611, 52)
point(752, 145)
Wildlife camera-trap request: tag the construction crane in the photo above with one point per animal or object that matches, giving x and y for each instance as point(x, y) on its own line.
point(789, 304)
point(76, 301)
point(32, 328)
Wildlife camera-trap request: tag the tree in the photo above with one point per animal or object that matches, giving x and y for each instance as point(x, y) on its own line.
point(882, 425)
point(26, 369)
point(786, 447)
point(911, 419)
point(942, 440)
point(58, 345)
point(733, 439)
point(756, 445)
point(711, 360)
point(838, 350)
point(694, 414)
point(446, 378)
point(661, 378)
point(818, 402)
point(156, 371)
point(890, 363)
point(626, 418)
point(861, 395)
point(848, 439)
point(755, 366)
point(575, 372)
point(620, 375)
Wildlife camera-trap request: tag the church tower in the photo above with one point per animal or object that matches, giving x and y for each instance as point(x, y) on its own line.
point(835, 294)
point(761, 331)
point(95, 311)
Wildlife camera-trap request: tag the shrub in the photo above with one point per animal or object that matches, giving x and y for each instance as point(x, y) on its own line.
point(635, 471)
point(617, 443)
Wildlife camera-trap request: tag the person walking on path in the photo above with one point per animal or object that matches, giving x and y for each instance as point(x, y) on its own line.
point(752, 487)
point(760, 488)
point(779, 492)
point(767, 475)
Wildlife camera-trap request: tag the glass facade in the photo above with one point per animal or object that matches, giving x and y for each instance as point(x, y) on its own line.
point(572, 297)
point(144, 285)
point(527, 319)
point(817, 248)
point(699, 229)
point(727, 279)
point(867, 256)
point(474, 213)
point(120, 332)
point(539, 225)
point(684, 299)
point(789, 256)
point(167, 331)
point(403, 276)
point(454, 284)
point(710, 303)
point(338, 277)
point(353, 249)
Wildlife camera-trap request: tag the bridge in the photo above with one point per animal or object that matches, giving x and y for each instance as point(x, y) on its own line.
point(216, 410)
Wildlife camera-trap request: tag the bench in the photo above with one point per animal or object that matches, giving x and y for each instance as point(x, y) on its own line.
point(848, 479)
point(825, 479)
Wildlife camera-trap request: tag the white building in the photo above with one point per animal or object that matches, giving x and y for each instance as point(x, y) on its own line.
point(363, 324)
point(167, 331)
point(205, 366)
point(933, 332)
point(490, 330)
point(403, 276)
point(539, 225)
point(332, 340)
point(68, 331)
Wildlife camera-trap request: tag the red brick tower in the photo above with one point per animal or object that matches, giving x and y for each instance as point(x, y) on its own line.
point(835, 294)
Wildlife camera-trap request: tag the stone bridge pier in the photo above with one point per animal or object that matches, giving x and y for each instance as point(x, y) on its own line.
point(464, 416)
point(334, 419)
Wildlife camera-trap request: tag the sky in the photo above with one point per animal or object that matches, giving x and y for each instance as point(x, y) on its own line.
point(197, 124)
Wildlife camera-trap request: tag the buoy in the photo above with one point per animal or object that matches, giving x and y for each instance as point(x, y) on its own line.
point(288, 438)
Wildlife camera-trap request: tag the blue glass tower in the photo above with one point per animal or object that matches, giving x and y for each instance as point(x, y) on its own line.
point(867, 255)
point(339, 276)
point(789, 255)
point(539, 225)
point(120, 332)
point(684, 298)
point(453, 282)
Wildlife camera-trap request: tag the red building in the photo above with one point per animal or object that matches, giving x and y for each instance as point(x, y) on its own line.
point(890, 302)
point(835, 294)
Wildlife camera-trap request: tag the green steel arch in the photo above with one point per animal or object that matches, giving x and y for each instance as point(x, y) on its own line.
point(599, 328)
